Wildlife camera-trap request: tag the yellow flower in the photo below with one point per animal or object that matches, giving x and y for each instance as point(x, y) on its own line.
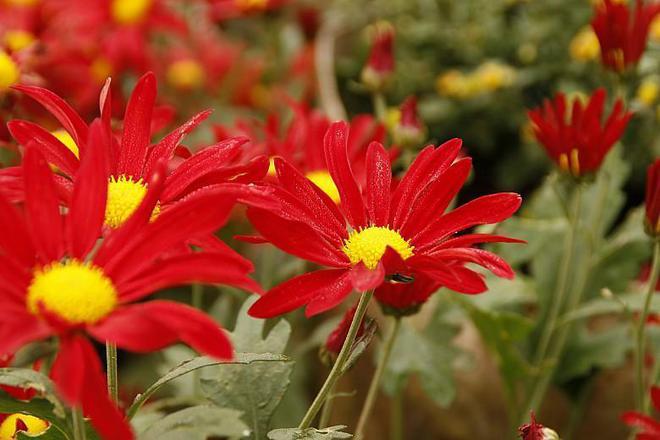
point(493, 75)
point(453, 84)
point(647, 92)
point(654, 31)
point(9, 72)
point(585, 46)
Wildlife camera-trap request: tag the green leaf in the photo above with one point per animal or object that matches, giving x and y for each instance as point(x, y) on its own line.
point(197, 423)
point(49, 434)
point(330, 433)
point(629, 302)
point(28, 378)
point(42, 408)
point(255, 389)
point(195, 364)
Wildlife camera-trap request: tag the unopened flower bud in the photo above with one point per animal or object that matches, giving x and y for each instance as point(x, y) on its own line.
point(536, 431)
point(409, 131)
point(378, 72)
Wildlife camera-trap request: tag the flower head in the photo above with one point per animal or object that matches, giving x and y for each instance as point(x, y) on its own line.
point(18, 422)
point(648, 428)
point(576, 137)
point(652, 220)
point(379, 69)
point(536, 431)
point(622, 31)
point(58, 280)
point(377, 233)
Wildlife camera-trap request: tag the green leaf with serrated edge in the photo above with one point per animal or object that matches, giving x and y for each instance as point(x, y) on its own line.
point(42, 408)
point(197, 423)
point(427, 354)
point(333, 432)
point(196, 364)
point(254, 389)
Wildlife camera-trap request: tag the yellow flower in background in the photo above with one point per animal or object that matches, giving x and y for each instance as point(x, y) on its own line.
point(17, 39)
point(185, 74)
point(585, 46)
point(100, 69)
point(647, 92)
point(453, 84)
point(493, 75)
point(654, 30)
point(9, 72)
point(392, 118)
point(488, 77)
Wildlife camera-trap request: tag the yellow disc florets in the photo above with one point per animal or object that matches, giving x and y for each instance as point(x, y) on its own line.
point(324, 181)
point(21, 422)
point(130, 11)
point(124, 197)
point(368, 245)
point(185, 74)
point(79, 293)
point(9, 72)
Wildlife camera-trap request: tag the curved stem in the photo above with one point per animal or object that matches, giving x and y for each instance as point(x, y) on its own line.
point(380, 106)
point(396, 416)
point(197, 302)
point(640, 386)
point(113, 378)
point(338, 367)
point(327, 409)
point(78, 424)
point(375, 381)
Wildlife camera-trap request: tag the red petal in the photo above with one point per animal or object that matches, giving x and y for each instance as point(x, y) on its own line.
point(137, 127)
point(42, 206)
point(336, 156)
point(364, 279)
point(641, 421)
point(469, 240)
point(154, 325)
point(68, 370)
point(20, 328)
point(489, 260)
point(379, 180)
point(90, 192)
point(105, 103)
point(15, 239)
point(457, 278)
point(324, 288)
point(655, 397)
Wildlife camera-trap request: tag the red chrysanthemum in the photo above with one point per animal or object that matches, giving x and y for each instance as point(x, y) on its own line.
point(378, 232)
point(131, 158)
point(652, 202)
point(649, 429)
point(577, 138)
point(622, 32)
point(57, 279)
point(405, 298)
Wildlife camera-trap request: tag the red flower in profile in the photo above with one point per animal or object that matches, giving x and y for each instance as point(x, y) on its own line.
point(622, 31)
point(377, 72)
point(390, 233)
point(536, 431)
point(132, 159)
point(652, 202)
point(56, 279)
point(577, 138)
point(648, 429)
point(405, 298)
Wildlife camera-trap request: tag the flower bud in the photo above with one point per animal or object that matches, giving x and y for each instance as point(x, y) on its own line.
point(409, 131)
point(377, 74)
point(536, 431)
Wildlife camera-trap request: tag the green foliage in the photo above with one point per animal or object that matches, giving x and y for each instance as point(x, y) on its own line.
point(330, 433)
point(197, 423)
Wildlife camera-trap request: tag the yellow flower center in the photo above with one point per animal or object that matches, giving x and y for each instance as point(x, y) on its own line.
point(18, 39)
point(130, 11)
point(30, 425)
point(124, 197)
point(9, 72)
point(368, 245)
point(570, 163)
point(77, 292)
point(324, 181)
point(64, 137)
point(251, 5)
point(185, 74)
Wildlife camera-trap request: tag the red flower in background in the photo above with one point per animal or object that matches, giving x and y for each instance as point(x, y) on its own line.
point(228, 9)
point(409, 130)
point(622, 31)
point(652, 202)
point(390, 233)
point(576, 137)
point(131, 159)
point(648, 429)
point(379, 69)
point(56, 280)
point(536, 431)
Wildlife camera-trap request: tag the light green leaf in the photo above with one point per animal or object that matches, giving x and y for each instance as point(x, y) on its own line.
point(197, 423)
point(330, 433)
point(28, 378)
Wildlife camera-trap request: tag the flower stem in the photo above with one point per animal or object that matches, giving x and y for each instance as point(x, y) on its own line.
point(113, 379)
point(338, 367)
point(375, 381)
point(640, 386)
point(396, 416)
point(78, 424)
point(197, 302)
point(327, 409)
point(380, 106)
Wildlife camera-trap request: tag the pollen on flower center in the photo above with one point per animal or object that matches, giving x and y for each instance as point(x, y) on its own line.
point(570, 163)
point(185, 74)
point(368, 245)
point(129, 11)
point(124, 197)
point(324, 181)
point(9, 72)
point(77, 292)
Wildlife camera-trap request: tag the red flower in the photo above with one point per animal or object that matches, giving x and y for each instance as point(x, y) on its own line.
point(409, 132)
point(536, 431)
point(378, 71)
point(622, 32)
point(56, 279)
point(132, 160)
point(390, 232)
point(405, 298)
point(576, 138)
point(652, 221)
point(649, 429)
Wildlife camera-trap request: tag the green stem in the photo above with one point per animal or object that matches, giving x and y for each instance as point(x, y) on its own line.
point(327, 409)
point(113, 379)
point(338, 367)
point(197, 301)
point(380, 106)
point(375, 381)
point(396, 416)
point(640, 386)
point(78, 424)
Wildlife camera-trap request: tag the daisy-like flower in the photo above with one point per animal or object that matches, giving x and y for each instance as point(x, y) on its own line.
point(57, 280)
point(132, 159)
point(652, 202)
point(378, 233)
point(649, 429)
point(576, 137)
point(622, 31)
